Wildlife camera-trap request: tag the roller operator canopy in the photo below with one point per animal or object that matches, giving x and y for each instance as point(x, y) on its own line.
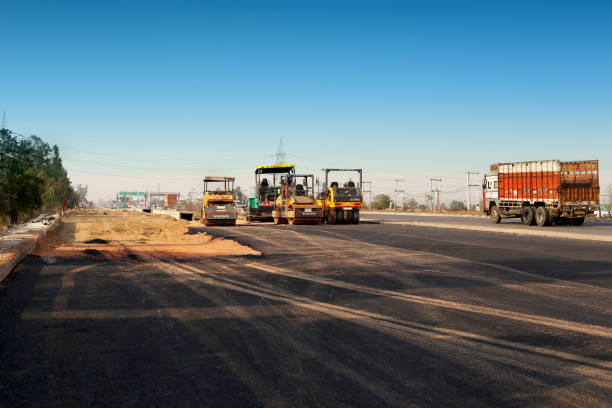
point(274, 168)
point(207, 178)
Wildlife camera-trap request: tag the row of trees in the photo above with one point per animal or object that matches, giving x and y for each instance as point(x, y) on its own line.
point(32, 178)
point(383, 201)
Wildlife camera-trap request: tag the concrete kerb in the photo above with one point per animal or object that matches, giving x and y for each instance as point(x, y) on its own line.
point(22, 249)
point(422, 214)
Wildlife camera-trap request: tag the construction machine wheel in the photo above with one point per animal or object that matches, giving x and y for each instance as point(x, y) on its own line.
point(356, 217)
point(291, 221)
point(542, 216)
point(340, 217)
point(495, 215)
point(349, 217)
point(276, 220)
point(331, 216)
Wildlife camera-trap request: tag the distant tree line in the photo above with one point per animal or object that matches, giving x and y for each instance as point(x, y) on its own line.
point(384, 202)
point(32, 178)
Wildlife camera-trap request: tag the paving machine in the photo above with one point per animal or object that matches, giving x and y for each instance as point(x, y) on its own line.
point(296, 203)
point(267, 187)
point(218, 203)
point(341, 205)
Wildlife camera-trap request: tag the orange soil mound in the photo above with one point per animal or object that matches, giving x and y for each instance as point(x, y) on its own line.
point(132, 236)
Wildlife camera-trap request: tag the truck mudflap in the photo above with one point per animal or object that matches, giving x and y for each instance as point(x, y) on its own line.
point(220, 212)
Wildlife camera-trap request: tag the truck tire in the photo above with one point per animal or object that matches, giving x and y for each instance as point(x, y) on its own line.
point(577, 221)
point(542, 216)
point(528, 215)
point(495, 215)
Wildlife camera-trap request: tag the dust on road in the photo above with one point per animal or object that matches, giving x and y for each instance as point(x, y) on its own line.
point(130, 235)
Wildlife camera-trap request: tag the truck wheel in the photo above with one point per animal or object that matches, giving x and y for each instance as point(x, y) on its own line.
point(542, 216)
point(528, 215)
point(494, 214)
point(577, 221)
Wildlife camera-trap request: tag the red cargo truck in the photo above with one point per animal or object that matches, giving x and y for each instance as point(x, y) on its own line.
point(542, 192)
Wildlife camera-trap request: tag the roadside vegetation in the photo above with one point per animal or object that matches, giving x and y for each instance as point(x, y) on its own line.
point(32, 178)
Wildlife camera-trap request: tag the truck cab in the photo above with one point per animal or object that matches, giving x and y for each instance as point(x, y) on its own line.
point(490, 190)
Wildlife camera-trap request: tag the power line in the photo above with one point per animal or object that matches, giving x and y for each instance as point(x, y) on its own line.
point(280, 153)
point(369, 191)
point(148, 168)
point(468, 185)
point(151, 158)
point(431, 191)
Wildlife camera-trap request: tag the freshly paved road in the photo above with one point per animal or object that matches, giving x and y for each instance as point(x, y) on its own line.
point(331, 316)
point(591, 226)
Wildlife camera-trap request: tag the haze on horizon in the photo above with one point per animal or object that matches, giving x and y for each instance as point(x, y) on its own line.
point(155, 95)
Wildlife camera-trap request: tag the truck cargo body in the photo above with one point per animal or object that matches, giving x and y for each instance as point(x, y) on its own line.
point(567, 191)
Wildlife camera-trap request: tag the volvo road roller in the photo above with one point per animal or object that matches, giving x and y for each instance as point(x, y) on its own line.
point(218, 203)
point(341, 205)
point(267, 186)
point(296, 203)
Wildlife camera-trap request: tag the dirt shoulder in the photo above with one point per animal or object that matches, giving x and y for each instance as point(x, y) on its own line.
point(118, 235)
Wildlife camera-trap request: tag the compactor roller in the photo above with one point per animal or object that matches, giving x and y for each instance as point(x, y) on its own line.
point(218, 204)
point(341, 205)
point(296, 203)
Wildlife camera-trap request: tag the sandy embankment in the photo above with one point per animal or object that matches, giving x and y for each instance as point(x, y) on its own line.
point(135, 236)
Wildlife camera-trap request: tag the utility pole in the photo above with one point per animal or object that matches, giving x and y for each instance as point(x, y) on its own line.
point(369, 191)
point(437, 191)
point(280, 153)
point(396, 189)
point(468, 185)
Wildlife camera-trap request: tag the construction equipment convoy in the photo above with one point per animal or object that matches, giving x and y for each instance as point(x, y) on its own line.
point(296, 203)
point(218, 204)
point(341, 205)
point(267, 187)
point(542, 192)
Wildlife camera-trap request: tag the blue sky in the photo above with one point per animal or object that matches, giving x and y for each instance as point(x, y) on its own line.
point(164, 93)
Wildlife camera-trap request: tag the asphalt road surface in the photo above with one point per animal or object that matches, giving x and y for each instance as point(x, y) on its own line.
point(330, 316)
point(591, 226)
